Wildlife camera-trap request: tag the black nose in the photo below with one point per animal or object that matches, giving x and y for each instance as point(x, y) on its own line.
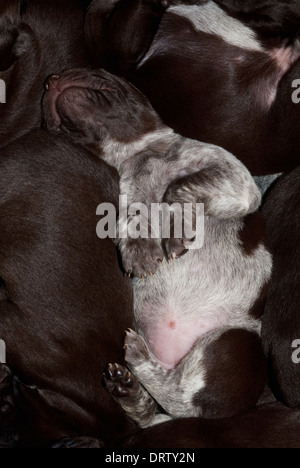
point(51, 83)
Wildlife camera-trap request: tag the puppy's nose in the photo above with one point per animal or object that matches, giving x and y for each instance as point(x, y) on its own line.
point(51, 83)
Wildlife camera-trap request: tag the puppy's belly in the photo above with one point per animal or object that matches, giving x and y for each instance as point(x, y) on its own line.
point(171, 339)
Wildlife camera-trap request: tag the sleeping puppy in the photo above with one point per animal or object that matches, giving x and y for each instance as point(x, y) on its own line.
point(197, 349)
point(64, 303)
point(281, 326)
point(220, 73)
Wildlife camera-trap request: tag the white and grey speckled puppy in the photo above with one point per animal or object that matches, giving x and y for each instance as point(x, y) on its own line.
point(196, 350)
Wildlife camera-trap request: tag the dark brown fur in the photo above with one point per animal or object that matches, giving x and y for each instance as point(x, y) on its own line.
point(281, 322)
point(269, 426)
point(235, 369)
point(66, 302)
point(36, 38)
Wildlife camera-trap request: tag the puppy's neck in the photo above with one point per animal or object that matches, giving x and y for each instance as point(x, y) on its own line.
point(119, 154)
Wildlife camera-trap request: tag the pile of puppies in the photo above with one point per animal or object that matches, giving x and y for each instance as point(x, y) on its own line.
point(181, 77)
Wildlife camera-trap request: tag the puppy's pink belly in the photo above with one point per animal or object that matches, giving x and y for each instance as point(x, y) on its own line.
point(172, 339)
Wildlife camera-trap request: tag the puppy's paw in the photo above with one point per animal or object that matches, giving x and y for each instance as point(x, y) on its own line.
point(141, 257)
point(119, 381)
point(7, 401)
point(175, 248)
point(136, 350)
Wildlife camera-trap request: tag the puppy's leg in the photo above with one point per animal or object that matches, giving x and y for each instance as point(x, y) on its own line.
point(140, 256)
point(132, 397)
point(224, 186)
point(223, 375)
point(213, 177)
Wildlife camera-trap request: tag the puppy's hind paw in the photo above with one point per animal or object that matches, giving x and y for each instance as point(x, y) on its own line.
point(119, 381)
point(136, 350)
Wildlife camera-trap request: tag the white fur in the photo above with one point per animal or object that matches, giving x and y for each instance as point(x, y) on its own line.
point(211, 19)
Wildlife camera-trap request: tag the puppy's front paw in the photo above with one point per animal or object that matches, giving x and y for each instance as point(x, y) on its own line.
point(141, 257)
point(175, 248)
point(119, 381)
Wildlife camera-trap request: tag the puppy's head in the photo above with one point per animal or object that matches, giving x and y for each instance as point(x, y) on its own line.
point(91, 106)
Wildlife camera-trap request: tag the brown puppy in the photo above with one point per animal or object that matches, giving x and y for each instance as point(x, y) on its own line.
point(64, 301)
point(212, 74)
point(36, 38)
point(52, 271)
point(281, 323)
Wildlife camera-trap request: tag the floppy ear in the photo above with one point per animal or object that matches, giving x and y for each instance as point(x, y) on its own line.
point(9, 21)
point(10, 10)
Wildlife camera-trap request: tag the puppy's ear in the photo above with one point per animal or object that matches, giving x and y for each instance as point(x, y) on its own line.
point(10, 12)
point(10, 18)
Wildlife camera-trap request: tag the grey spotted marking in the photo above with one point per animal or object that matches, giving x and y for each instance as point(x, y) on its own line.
point(156, 181)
